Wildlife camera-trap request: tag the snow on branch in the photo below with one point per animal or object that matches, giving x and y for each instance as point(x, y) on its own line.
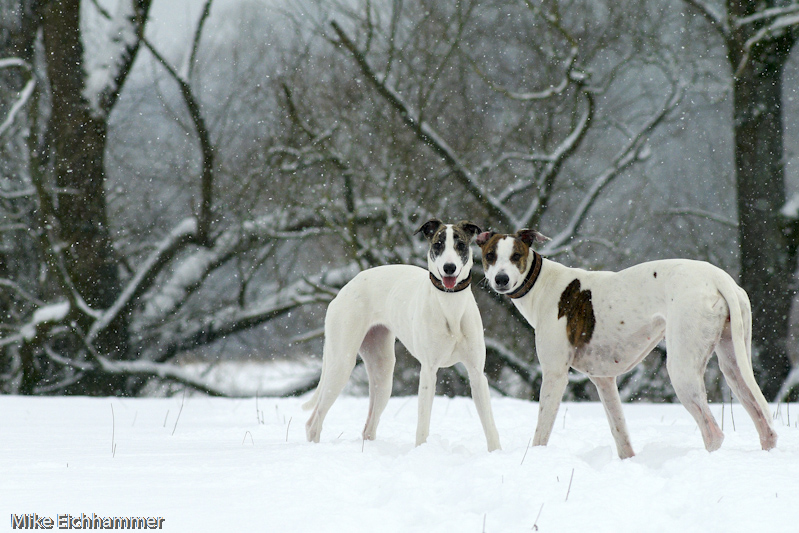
point(24, 94)
point(139, 8)
point(192, 270)
point(568, 77)
point(234, 319)
point(47, 314)
point(771, 13)
point(791, 208)
point(110, 64)
point(773, 30)
point(147, 273)
point(161, 371)
point(789, 385)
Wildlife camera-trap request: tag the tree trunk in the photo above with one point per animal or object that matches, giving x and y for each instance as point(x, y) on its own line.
point(76, 140)
point(767, 266)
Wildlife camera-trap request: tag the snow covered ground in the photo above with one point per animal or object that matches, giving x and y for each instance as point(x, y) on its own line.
point(221, 465)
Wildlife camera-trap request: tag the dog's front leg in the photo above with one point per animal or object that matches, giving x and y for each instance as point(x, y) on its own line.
point(609, 395)
point(553, 385)
point(427, 390)
point(482, 401)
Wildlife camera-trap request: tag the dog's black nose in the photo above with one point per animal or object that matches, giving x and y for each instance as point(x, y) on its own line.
point(501, 280)
point(449, 269)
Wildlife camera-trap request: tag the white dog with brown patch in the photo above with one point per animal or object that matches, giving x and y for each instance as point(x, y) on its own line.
point(432, 312)
point(605, 323)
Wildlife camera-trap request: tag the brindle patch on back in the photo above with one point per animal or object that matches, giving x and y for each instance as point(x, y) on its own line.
point(576, 306)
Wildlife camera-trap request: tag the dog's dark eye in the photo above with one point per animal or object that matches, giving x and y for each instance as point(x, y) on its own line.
point(437, 246)
point(490, 257)
point(516, 257)
point(461, 247)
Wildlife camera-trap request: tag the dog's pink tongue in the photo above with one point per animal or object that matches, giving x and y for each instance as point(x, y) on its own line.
point(449, 281)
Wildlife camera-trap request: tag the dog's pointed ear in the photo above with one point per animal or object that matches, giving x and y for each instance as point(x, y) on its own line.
point(469, 228)
point(484, 237)
point(531, 237)
point(429, 228)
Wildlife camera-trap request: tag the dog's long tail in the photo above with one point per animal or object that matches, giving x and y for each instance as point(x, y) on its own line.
point(741, 331)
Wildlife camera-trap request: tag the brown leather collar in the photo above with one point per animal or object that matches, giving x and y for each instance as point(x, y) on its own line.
point(457, 288)
point(530, 279)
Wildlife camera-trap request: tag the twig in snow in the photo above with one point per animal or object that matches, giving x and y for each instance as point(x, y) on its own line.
point(564, 417)
point(245, 438)
point(732, 415)
point(723, 403)
point(287, 429)
point(113, 433)
point(165, 417)
point(259, 415)
point(535, 524)
point(570, 486)
point(180, 411)
point(525, 451)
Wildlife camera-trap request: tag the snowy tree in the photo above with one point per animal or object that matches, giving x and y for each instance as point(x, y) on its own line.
point(758, 37)
point(79, 322)
point(234, 185)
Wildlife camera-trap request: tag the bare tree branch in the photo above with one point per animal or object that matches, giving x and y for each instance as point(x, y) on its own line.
point(234, 319)
point(634, 150)
point(207, 151)
point(525, 370)
point(425, 133)
point(146, 275)
point(24, 94)
point(195, 43)
point(718, 21)
point(689, 211)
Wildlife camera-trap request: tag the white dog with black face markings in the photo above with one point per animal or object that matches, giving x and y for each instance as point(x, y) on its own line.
point(432, 312)
point(605, 323)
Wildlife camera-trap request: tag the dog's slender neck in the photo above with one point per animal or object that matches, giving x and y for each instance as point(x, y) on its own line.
point(529, 279)
point(457, 288)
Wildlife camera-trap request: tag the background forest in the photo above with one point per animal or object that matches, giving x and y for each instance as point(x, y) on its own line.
point(192, 181)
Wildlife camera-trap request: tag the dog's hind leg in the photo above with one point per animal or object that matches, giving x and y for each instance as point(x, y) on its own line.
point(339, 357)
point(742, 382)
point(377, 352)
point(609, 395)
point(427, 391)
point(687, 354)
